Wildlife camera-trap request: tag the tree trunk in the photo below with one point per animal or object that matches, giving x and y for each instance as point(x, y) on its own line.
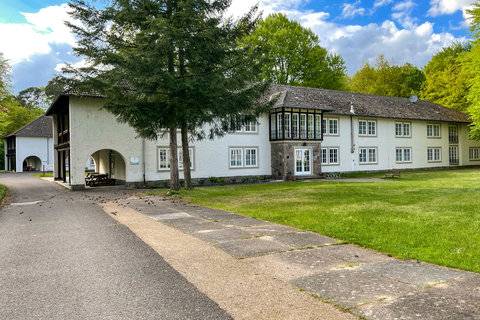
point(174, 179)
point(187, 176)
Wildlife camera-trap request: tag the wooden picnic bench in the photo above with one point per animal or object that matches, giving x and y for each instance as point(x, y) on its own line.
point(97, 180)
point(394, 174)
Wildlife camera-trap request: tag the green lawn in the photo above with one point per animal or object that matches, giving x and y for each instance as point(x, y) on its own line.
point(430, 216)
point(43, 174)
point(3, 192)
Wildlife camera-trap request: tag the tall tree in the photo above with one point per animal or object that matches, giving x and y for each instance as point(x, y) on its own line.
point(33, 97)
point(291, 54)
point(446, 78)
point(4, 76)
point(471, 63)
point(385, 79)
point(166, 64)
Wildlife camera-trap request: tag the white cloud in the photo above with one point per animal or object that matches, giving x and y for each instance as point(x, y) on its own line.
point(351, 10)
point(361, 44)
point(20, 41)
point(446, 7)
point(441, 7)
point(380, 3)
point(402, 12)
point(240, 7)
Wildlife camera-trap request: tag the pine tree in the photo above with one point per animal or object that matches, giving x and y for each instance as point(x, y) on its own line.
point(167, 64)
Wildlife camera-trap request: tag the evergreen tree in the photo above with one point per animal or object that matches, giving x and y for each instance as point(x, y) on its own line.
point(167, 64)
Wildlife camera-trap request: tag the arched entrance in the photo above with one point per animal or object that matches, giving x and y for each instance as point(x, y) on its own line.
point(109, 169)
point(32, 163)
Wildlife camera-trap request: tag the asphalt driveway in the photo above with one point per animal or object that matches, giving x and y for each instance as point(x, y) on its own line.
point(62, 257)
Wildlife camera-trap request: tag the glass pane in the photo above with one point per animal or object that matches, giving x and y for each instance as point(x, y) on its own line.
point(306, 160)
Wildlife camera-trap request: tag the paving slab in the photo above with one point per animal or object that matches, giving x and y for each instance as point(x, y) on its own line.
point(301, 240)
point(253, 247)
point(225, 234)
point(426, 305)
point(192, 225)
point(422, 275)
point(240, 221)
point(171, 216)
point(370, 284)
point(353, 287)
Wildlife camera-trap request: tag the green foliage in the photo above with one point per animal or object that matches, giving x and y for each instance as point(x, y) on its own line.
point(471, 63)
point(163, 64)
point(385, 79)
point(290, 54)
point(446, 78)
point(33, 97)
point(14, 115)
point(4, 76)
point(474, 13)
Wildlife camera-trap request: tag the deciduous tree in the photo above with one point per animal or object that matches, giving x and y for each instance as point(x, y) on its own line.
point(385, 79)
point(446, 78)
point(291, 54)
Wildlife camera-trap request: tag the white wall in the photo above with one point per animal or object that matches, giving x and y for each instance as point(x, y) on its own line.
point(387, 142)
point(32, 146)
point(93, 129)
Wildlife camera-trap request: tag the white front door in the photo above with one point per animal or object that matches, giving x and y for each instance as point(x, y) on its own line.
point(303, 162)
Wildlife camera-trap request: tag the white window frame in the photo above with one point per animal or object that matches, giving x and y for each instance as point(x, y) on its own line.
point(434, 159)
point(433, 126)
point(402, 156)
point(367, 154)
point(230, 158)
point(327, 128)
point(328, 161)
point(243, 154)
point(474, 154)
point(179, 157)
point(242, 128)
point(402, 129)
point(367, 128)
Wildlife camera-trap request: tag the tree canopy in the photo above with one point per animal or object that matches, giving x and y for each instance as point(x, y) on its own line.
point(471, 63)
point(446, 78)
point(166, 64)
point(33, 97)
point(291, 54)
point(385, 79)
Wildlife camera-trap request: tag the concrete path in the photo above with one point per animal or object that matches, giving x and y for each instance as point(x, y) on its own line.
point(62, 257)
point(362, 281)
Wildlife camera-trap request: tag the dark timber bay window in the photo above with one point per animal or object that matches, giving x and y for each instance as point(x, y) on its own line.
point(296, 124)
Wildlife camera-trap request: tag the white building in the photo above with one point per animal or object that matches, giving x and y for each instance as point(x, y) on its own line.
point(307, 133)
point(31, 147)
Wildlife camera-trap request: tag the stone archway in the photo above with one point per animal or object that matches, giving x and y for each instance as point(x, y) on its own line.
point(32, 164)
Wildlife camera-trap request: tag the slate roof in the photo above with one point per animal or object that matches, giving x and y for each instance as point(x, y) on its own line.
point(41, 127)
point(340, 102)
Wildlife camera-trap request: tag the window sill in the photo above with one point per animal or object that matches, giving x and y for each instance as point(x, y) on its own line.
point(403, 137)
point(243, 167)
point(434, 161)
point(368, 163)
point(330, 164)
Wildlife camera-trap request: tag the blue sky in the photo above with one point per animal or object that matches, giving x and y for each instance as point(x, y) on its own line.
point(37, 43)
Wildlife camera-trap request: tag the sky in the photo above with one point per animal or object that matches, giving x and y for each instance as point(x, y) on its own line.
point(35, 40)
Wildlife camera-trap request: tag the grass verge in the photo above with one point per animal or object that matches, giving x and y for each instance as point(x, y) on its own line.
point(432, 216)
